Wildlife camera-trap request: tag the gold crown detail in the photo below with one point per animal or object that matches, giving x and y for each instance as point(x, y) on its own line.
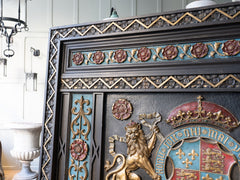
point(202, 112)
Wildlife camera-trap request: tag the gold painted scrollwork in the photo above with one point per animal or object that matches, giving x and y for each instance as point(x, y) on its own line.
point(185, 49)
point(81, 115)
point(132, 54)
point(78, 168)
point(215, 48)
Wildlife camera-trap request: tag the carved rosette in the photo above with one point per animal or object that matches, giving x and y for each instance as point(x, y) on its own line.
point(170, 52)
point(120, 55)
point(79, 149)
point(144, 54)
point(231, 47)
point(98, 57)
point(199, 50)
point(122, 109)
point(78, 58)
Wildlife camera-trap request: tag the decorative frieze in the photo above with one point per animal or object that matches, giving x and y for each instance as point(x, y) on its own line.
point(180, 52)
point(155, 82)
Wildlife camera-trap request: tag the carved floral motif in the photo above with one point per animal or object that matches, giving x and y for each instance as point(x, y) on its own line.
point(199, 50)
point(78, 58)
point(170, 52)
point(120, 55)
point(158, 53)
point(79, 149)
point(98, 57)
point(144, 54)
point(122, 109)
point(231, 47)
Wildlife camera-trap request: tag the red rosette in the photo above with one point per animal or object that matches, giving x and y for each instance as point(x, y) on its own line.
point(199, 50)
point(144, 54)
point(122, 109)
point(231, 48)
point(120, 55)
point(98, 57)
point(170, 52)
point(79, 149)
point(78, 58)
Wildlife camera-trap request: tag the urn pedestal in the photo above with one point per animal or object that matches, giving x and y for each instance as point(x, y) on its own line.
point(26, 147)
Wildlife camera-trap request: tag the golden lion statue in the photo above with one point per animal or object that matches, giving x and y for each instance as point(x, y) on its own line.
point(138, 153)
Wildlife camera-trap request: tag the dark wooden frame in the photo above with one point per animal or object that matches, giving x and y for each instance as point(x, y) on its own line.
point(103, 35)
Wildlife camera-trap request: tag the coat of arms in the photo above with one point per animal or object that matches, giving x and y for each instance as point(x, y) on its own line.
point(196, 151)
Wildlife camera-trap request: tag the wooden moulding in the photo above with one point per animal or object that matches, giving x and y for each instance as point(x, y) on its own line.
point(210, 24)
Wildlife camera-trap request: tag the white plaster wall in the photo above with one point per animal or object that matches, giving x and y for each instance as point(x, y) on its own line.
point(18, 105)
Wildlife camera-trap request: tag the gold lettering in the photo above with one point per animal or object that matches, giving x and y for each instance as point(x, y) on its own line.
point(166, 145)
point(160, 160)
point(160, 156)
point(172, 139)
point(161, 153)
point(174, 135)
point(226, 140)
point(186, 132)
point(220, 137)
point(159, 168)
point(160, 165)
point(193, 131)
point(169, 142)
point(199, 131)
point(235, 149)
point(159, 171)
point(212, 133)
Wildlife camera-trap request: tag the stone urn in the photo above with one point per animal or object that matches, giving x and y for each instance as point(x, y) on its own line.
point(26, 147)
point(200, 3)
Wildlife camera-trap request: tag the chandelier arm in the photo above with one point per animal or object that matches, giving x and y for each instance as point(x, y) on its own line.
point(19, 10)
point(1, 9)
point(14, 20)
point(10, 26)
point(8, 52)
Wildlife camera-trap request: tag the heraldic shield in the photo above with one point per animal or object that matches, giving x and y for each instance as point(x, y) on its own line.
point(198, 151)
point(199, 159)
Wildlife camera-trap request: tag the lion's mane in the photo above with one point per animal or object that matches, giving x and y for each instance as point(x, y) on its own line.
point(139, 146)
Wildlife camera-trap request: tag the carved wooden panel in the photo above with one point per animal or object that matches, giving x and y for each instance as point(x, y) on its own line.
point(153, 97)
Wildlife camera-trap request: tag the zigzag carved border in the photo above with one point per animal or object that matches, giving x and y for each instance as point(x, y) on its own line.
point(107, 26)
point(158, 82)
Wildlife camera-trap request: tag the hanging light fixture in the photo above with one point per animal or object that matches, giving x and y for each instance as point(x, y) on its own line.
point(10, 26)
